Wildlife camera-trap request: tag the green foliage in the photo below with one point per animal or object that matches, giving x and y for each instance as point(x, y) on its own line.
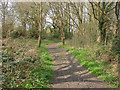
point(15, 34)
point(18, 32)
point(32, 34)
point(68, 35)
point(52, 34)
point(116, 43)
point(45, 42)
point(57, 34)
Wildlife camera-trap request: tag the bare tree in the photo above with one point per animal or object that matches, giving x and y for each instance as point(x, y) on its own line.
point(4, 6)
point(100, 12)
point(40, 24)
point(57, 10)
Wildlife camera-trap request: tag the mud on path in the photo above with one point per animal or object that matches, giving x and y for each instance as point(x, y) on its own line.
point(68, 73)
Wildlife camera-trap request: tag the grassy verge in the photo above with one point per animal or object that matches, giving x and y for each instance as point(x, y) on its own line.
point(98, 66)
point(25, 65)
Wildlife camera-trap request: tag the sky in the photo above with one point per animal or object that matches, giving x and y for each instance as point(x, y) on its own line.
point(48, 19)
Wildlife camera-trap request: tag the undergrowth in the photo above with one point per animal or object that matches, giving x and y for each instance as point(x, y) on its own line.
point(96, 62)
point(25, 65)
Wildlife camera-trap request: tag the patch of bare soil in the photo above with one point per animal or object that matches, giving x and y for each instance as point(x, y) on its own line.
point(68, 73)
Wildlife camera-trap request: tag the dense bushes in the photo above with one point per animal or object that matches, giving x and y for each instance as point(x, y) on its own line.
point(18, 32)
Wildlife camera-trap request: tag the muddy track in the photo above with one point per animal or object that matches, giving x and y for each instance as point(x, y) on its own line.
point(68, 73)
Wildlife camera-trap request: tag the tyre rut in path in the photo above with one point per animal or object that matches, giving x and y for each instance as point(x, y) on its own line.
point(68, 73)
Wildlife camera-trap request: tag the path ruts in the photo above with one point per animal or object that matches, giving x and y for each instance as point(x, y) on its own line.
point(68, 73)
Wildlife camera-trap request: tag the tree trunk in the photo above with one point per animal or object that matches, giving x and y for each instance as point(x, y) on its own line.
point(118, 32)
point(40, 26)
point(62, 33)
point(116, 41)
point(68, 18)
point(117, 17)
point(24, 28)
point(39, 38)
point(3, 21)
point(61, 27)
point(118, 25)
point(101, 24)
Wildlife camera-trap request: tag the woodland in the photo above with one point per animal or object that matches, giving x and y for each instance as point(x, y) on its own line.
point(90, 31)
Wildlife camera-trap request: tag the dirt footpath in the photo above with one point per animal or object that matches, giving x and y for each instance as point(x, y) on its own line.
point(68, 73)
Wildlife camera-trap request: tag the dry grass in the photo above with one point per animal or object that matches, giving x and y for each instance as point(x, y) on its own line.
point(21, 48)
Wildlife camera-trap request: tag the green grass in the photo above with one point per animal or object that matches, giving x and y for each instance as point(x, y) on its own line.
point(97, 69)
point(45, 42)
point(31, 71)
point(43, 72)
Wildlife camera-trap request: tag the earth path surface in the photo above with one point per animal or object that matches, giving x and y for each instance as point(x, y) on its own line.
point(68, 73)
